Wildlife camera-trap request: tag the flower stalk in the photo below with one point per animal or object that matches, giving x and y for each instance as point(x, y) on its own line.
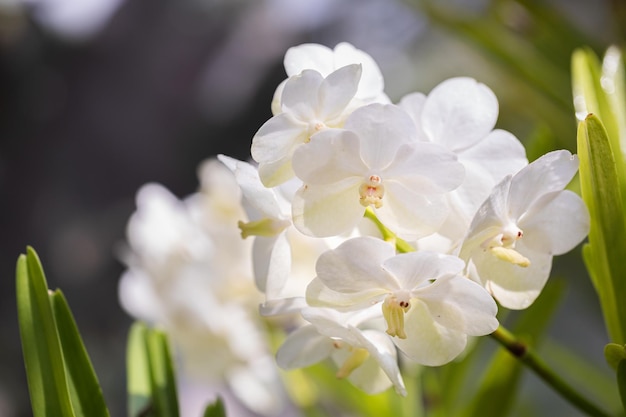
point(402, 246)
point(527, 356)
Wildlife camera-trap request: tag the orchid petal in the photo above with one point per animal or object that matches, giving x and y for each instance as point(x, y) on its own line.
point(337, 90)
point(384, 352)
point(413, 104)
point(457, 303)
point(555, 223)
point(332, 155)
point(281, 306)
point(271, 259)
point(320, 295)
point(426, 167)
point(416, 268)
point(382, 128)
point(459, 112)
point(355, 266)
point(300, 95)
point(309, 56)
point(303, 347)
point(409, 214)
point(327, 210)
point(255, 194)
point(380, 370)
point(372, 84)
point(275, 173)
point(428, 342)
point(513, 286)
point(551, 172)
point(277, 138)
point(499, 154)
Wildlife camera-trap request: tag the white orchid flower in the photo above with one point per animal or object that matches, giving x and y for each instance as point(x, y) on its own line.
point(366, 357)
point(460, 114)
point(309, 103)
point(189, 273)
point(281, 273)
point(428, 306)
point(325, 61)
point(527, 219)
point(376, 161)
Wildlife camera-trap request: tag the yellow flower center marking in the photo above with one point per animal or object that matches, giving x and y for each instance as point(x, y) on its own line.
point(264, 227)
point(502, 246)
point(394, 307)
point(355, 359)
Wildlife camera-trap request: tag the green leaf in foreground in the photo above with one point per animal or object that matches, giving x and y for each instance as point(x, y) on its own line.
point(621, 381)
point(43, 359)
point(614, 354)
point(598, 88)
point(138, 372)
point(151, 381)
point(162, 372)
point(86, 394)
point(601, 189)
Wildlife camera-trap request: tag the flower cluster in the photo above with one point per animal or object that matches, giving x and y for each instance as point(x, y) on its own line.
point(374, 230)
point(419, 215)
point(189, 273)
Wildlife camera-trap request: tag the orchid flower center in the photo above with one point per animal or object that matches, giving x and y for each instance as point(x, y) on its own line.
point(394, 307)
point(266, 227)
point(502, 246)
point(314, 127)
point(355, 359)
point(371, 192)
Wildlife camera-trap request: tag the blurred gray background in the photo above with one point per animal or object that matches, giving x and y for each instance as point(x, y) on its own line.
point(98, 97)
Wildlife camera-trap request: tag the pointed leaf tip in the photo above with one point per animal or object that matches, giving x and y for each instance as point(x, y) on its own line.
point(614, 353)
point(215, 409)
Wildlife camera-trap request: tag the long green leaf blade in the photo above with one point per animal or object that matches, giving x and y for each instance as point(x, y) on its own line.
point(590, 96)
point(601, 189)
point(162, 372)
point(86, 394)
point(621, 381)
point(613, 83)
point(43, 360)
point(138, 372)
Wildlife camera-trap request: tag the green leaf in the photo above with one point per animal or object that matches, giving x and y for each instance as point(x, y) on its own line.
point(589, 78)
point(86, 394)
point(45, 371)
point(613, 83)
point(499, 384)
point(614, 354)
point(621, 381)
point(601, 181)
point(215, 410)
point(151, 381)
point(138, 372)
point(162, 374)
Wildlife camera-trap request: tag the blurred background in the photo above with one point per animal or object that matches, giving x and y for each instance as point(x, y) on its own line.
point(98, 97)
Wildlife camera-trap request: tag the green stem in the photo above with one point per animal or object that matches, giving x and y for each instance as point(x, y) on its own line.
point(402, 246)
point(527, 356)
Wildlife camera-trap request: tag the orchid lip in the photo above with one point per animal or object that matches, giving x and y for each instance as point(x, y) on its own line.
point(371, 192)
